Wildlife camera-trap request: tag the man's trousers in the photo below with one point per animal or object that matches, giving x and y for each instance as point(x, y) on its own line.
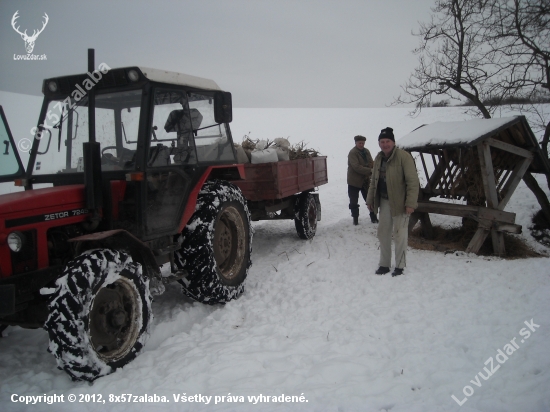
point(353, 193)
point(399, 226)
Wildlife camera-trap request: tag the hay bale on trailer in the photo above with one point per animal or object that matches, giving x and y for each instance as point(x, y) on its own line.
point(478, 164)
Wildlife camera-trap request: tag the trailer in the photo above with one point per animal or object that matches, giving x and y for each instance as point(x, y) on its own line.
point(285, 190)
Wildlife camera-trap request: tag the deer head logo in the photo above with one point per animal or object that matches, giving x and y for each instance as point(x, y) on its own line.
point(29, 40)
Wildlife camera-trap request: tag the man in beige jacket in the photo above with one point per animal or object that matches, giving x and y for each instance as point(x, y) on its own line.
point(394, 189)
point(359, 172)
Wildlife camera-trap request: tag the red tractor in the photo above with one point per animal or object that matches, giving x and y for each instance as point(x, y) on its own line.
point(130, 169)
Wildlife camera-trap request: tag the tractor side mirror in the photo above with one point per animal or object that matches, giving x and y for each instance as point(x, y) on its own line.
point(223, 110)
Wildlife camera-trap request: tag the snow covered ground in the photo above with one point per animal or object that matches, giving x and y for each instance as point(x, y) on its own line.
point(315, 323)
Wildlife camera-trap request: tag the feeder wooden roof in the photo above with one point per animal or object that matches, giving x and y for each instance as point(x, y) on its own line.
point(514, 131)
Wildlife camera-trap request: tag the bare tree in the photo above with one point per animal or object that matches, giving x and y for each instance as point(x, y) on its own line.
point(519, 32)
point(487, 51)
point(453, 59)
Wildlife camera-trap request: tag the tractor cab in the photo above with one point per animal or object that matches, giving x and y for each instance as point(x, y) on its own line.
point(155, 133)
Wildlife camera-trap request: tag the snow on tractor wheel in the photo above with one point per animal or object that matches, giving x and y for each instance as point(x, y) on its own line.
point(216, 245)
point(305, 216)
point(99, 314)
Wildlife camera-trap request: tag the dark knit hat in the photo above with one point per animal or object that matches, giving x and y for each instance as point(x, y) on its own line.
point(360, 138)
point(386, 133)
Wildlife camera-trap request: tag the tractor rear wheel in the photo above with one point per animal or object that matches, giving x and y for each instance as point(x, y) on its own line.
point(216, 245)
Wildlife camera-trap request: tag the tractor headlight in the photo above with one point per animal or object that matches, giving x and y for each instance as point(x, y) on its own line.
point(15, 241)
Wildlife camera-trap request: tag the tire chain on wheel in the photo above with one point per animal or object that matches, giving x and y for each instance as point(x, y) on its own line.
point(196, 254)
point(71, 303)
point(301, 216)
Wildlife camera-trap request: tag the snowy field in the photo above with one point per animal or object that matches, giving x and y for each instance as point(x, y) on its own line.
point(315, 323)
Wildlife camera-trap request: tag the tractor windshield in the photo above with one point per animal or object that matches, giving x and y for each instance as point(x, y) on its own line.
point(65, 128)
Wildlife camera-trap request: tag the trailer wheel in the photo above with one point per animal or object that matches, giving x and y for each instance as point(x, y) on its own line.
point(216, 245)
point(305, 216)
point(99, 315)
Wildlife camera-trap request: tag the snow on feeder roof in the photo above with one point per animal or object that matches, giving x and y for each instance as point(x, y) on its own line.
point(445, 134)
point(512, 130)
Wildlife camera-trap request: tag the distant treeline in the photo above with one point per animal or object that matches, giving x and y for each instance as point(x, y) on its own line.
point(493, 101)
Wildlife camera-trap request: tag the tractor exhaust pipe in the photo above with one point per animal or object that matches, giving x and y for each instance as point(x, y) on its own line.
point(92, 153)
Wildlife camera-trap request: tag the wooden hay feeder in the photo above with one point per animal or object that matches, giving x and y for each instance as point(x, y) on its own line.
point(476, 165)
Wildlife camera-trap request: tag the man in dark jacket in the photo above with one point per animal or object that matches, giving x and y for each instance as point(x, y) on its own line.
point(359, 173)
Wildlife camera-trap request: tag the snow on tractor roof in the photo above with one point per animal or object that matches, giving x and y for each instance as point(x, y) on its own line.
point(164, 76)
point(445, 134)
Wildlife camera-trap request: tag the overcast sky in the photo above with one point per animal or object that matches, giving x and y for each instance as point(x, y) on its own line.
point(267, 53)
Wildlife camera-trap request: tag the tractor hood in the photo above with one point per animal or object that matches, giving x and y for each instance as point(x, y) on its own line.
point(42, 199)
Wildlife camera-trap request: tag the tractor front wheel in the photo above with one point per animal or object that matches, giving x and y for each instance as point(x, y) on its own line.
point(99, 315)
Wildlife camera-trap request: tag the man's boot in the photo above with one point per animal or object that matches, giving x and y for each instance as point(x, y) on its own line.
point(382, 270)
point(373, 217)
point(355, 220)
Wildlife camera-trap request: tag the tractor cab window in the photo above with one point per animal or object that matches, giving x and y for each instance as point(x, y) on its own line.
point(10, 164)
point(172, 132)
point(211, 138)
point(65, 129)
point(184, 130)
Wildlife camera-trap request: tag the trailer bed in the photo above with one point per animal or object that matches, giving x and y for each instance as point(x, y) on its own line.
point(278, 180)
